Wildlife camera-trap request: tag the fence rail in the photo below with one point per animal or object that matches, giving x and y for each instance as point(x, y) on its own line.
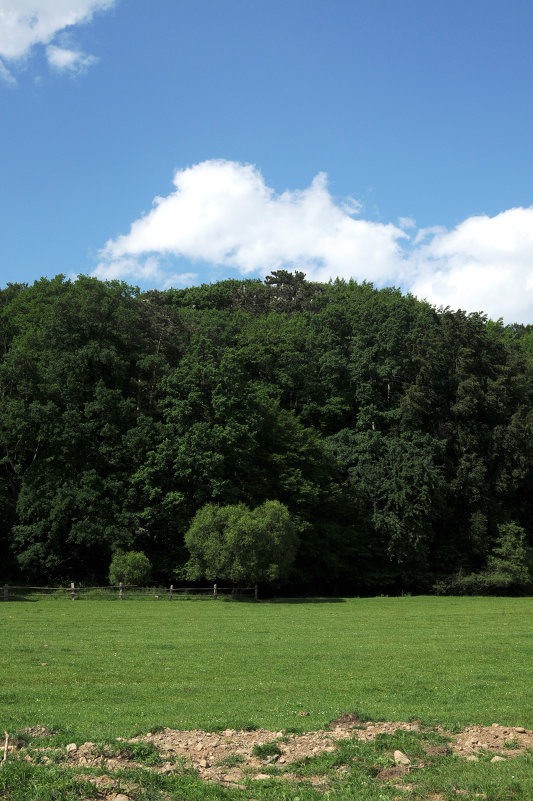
point(123, 591)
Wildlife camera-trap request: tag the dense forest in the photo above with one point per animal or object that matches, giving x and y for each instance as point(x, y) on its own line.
point(398, 436)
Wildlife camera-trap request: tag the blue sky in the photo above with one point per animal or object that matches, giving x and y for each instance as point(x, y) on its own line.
point(173, 142)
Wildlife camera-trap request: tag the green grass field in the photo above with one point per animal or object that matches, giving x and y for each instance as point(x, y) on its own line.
point(115, 668)
point(96, 670)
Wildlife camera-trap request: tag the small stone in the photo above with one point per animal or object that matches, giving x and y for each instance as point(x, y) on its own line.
point(199, 747)
point(71, 747)
point(494, 725)
point(472, 758)
point(120, 797)
point(203, 763)
point(401, 759)
point(303, 714)
point(261, 776)
point(498, 759)
point(520, 730)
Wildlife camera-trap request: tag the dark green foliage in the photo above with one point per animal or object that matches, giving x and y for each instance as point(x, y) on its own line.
point(398, 437)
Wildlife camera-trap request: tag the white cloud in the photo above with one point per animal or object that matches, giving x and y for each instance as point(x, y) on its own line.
point(131, 269)
point(149, 271)
point(64, 60)
point(352, 206)
point(484, 264)
point(405, 223)
point(222, 212)
point(6, 76)
point(25, 23)
point(180, 279)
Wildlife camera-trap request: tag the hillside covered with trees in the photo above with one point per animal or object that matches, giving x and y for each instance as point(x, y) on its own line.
point(397, 436)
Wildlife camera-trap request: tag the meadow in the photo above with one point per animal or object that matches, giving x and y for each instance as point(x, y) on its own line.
point(98, 670)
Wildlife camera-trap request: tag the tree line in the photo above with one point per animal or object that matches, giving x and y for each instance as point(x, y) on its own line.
point(397, 437)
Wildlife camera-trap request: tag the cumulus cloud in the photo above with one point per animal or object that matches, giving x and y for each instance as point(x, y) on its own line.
point(406, 222)
point(6, 77)
point(223, 213)
point(25, 23)
point(148, 271)
point(65, 60)
point(484, 264)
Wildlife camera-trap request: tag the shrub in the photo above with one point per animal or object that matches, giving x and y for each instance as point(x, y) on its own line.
point(130, 567)
point(475, 584)
point(510, 555)
point(507, 571)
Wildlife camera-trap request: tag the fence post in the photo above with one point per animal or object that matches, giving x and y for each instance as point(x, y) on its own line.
point(72, 591)
point(256, 596)
point(170, 593)
point(120, 591)
point(215, 591)
point(6, 592)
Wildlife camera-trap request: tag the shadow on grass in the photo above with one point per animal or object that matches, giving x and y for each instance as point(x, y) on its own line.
point(310, 600)
point(238, 599)
point(19, 598)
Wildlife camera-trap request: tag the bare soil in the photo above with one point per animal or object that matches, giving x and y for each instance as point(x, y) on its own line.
point(227, 757)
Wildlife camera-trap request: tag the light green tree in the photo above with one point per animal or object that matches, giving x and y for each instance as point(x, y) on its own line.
point(241, 545)
point(510, 556)
point(130, 567)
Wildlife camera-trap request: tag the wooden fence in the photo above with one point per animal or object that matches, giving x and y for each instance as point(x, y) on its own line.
point(123, 591)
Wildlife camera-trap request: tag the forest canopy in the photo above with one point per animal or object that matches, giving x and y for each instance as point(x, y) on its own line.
point(397, 436)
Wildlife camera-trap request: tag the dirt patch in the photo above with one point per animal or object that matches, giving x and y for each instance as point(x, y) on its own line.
point(438, 750)
point(349, 719)
point(37, 731)
point(393, 773)
point(503, 740)
point(215, 755)
point(231, 758)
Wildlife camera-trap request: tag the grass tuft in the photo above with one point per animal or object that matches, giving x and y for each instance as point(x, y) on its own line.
point(266, 750)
